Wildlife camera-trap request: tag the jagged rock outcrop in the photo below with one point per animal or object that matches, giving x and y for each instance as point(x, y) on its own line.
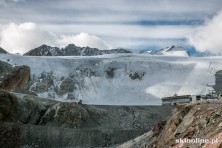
point(193, 121)
point(44, 83)
point(71, 50)
point(13, 77)
point(2, 51)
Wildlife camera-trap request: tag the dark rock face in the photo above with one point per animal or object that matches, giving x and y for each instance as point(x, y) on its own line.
point(4, 68)
point(16, 77)
point(136, 75)
point(44, 50)
point(71, 50)
point(8, 107)
point(44, 83)
point(2, 51)
point(10, 136)
point(17, 110)
point(110, 72)
point(67, 85)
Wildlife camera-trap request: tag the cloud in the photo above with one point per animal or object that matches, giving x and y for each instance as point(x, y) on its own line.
point(7, 2)
point(23, 37)
point(207, 38)
point(83, 40)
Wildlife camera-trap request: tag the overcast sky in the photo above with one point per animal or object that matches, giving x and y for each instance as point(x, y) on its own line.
point(135, 24)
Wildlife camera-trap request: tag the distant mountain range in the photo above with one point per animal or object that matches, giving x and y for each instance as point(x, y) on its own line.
point(170, 51)
point(71, 50)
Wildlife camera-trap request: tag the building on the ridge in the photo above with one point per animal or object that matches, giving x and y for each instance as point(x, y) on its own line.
point(180, 99)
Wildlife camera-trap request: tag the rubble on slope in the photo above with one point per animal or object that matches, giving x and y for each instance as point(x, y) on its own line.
point(193, 121)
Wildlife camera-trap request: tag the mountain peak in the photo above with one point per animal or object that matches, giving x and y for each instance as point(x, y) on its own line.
point(44, 50)
point(174, 51)
point(71, 50)
point(2, 51)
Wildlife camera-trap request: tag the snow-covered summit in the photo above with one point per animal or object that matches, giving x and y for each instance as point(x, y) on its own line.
point(169, 51)
point(173, 51)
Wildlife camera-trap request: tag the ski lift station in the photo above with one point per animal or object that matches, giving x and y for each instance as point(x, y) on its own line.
point(185, 99)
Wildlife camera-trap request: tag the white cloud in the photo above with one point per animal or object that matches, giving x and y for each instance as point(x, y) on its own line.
point(208, 37)
point(6, 2)
point(126, 31)
point(23, 37)
point(83, 40)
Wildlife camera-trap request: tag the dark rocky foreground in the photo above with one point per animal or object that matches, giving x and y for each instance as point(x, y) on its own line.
point(25, 135)
point(30, 121)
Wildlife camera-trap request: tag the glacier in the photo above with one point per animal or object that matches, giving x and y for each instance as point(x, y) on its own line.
point(124, 78)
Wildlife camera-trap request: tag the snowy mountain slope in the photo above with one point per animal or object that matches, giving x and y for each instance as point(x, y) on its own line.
point(173, 51)
point(126, 79)
point(169, 51)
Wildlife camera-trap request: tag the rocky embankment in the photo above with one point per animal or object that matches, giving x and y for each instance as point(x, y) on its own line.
point(27, 120)
point(193, 121)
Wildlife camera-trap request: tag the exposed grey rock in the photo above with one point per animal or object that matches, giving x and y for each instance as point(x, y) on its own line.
point(110, 72)
point(43, 83)
point(67, 85)
point(136, 75)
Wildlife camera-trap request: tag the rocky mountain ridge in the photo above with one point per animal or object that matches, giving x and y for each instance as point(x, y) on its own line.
point(2, 51)
point(71, 50)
